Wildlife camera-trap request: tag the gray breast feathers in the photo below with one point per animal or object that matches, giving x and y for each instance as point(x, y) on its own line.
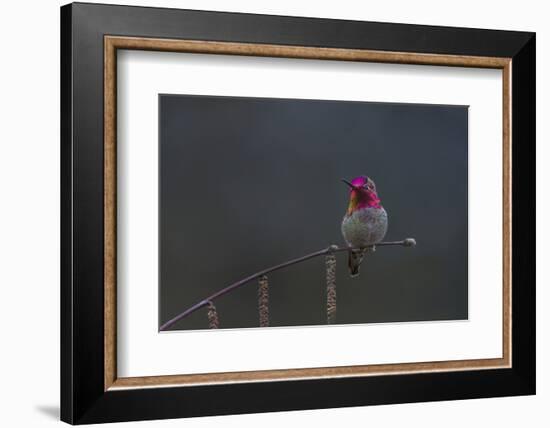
point(364, 227)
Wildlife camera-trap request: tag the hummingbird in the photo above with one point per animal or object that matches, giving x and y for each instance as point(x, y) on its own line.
point(365, 222)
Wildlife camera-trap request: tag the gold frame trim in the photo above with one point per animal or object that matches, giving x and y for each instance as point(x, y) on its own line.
point(113, 43)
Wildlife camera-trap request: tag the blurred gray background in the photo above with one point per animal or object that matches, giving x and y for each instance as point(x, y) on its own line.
point(247, 183)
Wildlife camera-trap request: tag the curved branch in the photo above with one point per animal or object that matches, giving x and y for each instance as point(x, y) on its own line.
point(409, 242)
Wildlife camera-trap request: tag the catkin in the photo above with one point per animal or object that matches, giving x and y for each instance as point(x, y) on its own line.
point(263, 301)
point(330, 262)
point(213, 320)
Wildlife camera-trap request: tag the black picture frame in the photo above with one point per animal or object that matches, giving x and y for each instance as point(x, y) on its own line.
point(83, 396)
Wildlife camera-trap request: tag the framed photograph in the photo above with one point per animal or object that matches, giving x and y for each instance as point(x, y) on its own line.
point(265, 213)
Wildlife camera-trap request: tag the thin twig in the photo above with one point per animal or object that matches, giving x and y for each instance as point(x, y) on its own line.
point(409, 242)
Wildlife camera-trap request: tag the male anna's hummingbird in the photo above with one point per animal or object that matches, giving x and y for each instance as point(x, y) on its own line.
point(365, 222)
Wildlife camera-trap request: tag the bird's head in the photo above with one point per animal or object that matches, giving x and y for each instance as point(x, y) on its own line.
point(362, 194)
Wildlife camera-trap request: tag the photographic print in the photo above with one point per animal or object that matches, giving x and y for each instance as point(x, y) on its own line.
point(356, 212)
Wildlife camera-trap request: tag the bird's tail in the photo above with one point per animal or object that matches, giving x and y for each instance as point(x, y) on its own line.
point(354, 261)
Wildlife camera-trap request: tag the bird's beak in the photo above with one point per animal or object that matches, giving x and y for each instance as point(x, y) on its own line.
point(349, 184)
